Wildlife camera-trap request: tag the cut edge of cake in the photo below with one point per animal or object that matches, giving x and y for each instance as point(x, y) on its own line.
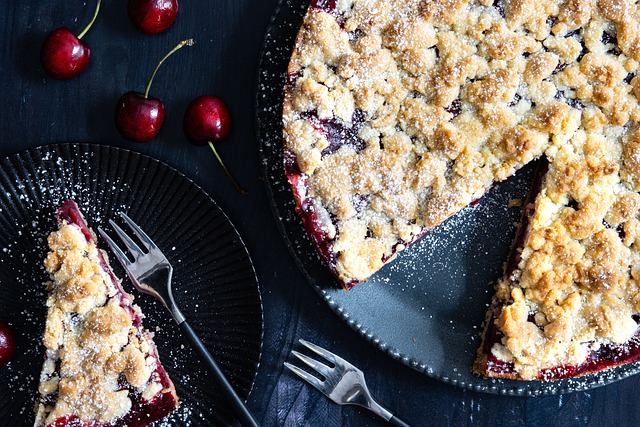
point(101, 366)
point(589, 319)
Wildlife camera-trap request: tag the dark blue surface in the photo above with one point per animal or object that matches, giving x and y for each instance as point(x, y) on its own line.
point(38, 110)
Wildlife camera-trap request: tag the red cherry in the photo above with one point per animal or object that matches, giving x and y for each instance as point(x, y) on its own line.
point(7, 344)
point(207, 121)
point(63, 55)
point(139, 116)
point(152, 16)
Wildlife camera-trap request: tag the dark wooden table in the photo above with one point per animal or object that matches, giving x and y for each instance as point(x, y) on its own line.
point(38, 110)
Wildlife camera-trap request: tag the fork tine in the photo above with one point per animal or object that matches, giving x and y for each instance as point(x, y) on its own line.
point(333, 358)
point(322, 369)
point(146, 240)
point(120, 255)
point(128, 241)
point(319, 384)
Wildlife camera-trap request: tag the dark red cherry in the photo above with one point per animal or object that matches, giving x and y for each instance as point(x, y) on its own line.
point(7, 344)
point(207, 118)
point(152, 16)
point(63, 55)
point(207, 121)
point(139, 116)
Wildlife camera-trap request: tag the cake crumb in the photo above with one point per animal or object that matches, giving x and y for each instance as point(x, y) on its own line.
point(514, 203)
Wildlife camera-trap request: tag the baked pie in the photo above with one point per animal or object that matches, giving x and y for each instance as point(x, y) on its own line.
point(101, 367)
point(399, 113)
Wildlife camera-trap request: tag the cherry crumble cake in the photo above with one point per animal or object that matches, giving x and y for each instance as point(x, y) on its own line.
point(399, 113)
point(101, 367)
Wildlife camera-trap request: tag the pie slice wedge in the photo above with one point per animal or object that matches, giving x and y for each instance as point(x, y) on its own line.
point(101, 366)
point(568, 302)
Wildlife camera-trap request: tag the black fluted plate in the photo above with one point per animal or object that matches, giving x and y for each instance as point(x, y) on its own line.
point(214, 281)
point(426, 307)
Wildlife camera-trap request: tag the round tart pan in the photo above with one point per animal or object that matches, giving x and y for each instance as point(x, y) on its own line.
point(425, 308)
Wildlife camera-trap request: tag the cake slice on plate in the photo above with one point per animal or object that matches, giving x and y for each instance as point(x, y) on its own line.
point(101, 366)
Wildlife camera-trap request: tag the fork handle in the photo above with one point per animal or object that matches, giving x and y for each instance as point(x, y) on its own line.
point(241, 410)
point(395, 421)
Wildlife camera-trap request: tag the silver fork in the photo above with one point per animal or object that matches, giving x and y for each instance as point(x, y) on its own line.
point(151, 274)
point(343, 383)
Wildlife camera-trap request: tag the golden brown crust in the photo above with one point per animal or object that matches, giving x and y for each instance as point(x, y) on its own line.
point(90, 333)
point(438, 100)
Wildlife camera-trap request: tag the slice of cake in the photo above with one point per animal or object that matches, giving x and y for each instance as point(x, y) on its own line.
point(101, 366)
point(399, 113)
point(394, 120)
point(569, 301)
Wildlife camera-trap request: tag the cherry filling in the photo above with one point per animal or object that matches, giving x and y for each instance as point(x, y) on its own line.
point(492, 333)
point(497, 4)
point(571, 102)
point(143, 412)
point(605, 356)
point(328, 6)
point(611, 39)
point(577, 34)
point(515, 100)
point(401, 244)
point(72, 421)
point(455, 108)
point(7, 344)
point(527, 213)
point(337, 132)
point(306, 209)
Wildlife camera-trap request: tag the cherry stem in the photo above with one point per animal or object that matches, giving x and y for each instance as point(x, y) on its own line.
point(188, 42)
point(235, 183)
point(95, 15)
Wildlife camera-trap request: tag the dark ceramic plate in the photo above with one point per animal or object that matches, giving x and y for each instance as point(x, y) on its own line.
point(426, 307)
point(214, 280)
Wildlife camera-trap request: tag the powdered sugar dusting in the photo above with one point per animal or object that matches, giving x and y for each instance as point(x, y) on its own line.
point(32, 187)
point(453, 249)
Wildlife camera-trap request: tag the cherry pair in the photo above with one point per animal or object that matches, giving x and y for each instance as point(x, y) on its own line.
point(64, 55)
point(139, 117)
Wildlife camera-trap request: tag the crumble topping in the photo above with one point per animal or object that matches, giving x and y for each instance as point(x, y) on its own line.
point(96, 356)
point(400, 113)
